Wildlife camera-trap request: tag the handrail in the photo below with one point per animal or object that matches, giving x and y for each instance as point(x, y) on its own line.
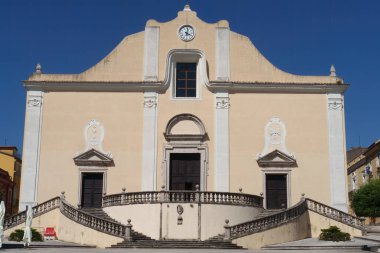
point(267, 222)
point(37, 211)
point(202, 197)
point(334, 214)
point(88, 220)
point(292, 213)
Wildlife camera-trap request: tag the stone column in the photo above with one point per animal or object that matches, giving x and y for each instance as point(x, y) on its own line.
point(337, 150)
point(31, 149)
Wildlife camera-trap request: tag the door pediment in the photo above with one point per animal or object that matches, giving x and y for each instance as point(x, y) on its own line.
point(94, 157)
point(277, 158)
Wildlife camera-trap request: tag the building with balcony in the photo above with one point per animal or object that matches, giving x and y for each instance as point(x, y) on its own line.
point(188, 126)
point(363, 166)
point(10, 163)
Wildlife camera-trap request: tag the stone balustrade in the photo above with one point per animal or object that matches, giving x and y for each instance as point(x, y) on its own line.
point(334, 214)
point(277, 219)
point(37, 211)
point(265, 223)
point(91, 221)
point(202, 197)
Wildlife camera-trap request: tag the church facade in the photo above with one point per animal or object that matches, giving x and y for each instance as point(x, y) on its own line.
point(184, 105)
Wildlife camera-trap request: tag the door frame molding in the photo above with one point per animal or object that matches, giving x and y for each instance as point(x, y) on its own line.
point(189, 147)
point(277, 171)
point(82, 170)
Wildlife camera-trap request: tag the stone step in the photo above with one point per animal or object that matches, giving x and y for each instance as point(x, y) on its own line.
point(178, 244)
point(267, 212)
point(98, 212)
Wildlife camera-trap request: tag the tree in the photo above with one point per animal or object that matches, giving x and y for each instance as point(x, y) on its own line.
point(366, 200)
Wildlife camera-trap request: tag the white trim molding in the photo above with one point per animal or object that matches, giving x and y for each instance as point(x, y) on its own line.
point(91, 169)
point(149, 162)
point(151, 45)
point(31, 149)
point(277, 171)
point(222, 53)
point(222, 142)
point(185, 147)
point(337, 150)
point(185, 143)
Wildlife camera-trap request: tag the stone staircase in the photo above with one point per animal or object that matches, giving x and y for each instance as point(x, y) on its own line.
point(178, 244)
point(140, 240)
point(98, 212)
point(267, 212)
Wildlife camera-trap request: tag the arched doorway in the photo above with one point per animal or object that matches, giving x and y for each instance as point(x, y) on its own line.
point(185, 153)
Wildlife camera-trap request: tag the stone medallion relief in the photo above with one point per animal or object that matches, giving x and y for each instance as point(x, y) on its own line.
point(94, 136)
point(275, 136)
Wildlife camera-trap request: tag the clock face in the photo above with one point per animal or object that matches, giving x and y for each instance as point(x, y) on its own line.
point(186, 33)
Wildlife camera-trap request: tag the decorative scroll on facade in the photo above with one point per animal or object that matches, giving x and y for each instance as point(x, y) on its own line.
point(222, 103)
point(94, 135)
point(150, 101)
point(335, 103)
point(275, 134)
point(34, 101)
point(94, 154)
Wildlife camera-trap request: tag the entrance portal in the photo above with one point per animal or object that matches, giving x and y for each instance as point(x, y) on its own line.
point(276, 191)
point(185, 171)
point(92, 189)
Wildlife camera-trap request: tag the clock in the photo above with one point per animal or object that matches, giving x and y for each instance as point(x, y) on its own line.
point(186, 33)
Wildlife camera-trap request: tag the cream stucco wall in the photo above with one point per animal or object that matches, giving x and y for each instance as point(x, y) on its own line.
point(139, 215)
point(318, 222)
point(291, 231)
point(68, 230)
point(164, 218)
point(65, 116)
point(49, 219)
point(305, 119)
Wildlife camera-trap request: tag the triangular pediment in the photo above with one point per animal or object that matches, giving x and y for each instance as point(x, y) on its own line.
point(94, 157)
point(277, 158)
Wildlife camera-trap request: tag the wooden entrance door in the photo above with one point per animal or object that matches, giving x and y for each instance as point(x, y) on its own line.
point(92, 189)
point(276, 191)
point(185, 171)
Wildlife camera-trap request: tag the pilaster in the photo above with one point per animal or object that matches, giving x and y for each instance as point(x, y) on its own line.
point(222, 142)
point(222, 54)
point(31, 149)
point(149, 142)
point(337, 164)
point(151, 45)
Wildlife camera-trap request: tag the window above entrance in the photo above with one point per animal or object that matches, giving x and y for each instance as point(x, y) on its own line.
point(186, 80)
point(186, 74)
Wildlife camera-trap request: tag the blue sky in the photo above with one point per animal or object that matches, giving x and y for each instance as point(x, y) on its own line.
point(300, 37)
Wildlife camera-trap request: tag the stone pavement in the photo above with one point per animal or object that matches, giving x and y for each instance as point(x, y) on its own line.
point(310, 245)
point(93, 250)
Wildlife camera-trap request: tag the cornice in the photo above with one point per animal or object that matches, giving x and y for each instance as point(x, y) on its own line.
point(162, 86)
point(91, 86)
